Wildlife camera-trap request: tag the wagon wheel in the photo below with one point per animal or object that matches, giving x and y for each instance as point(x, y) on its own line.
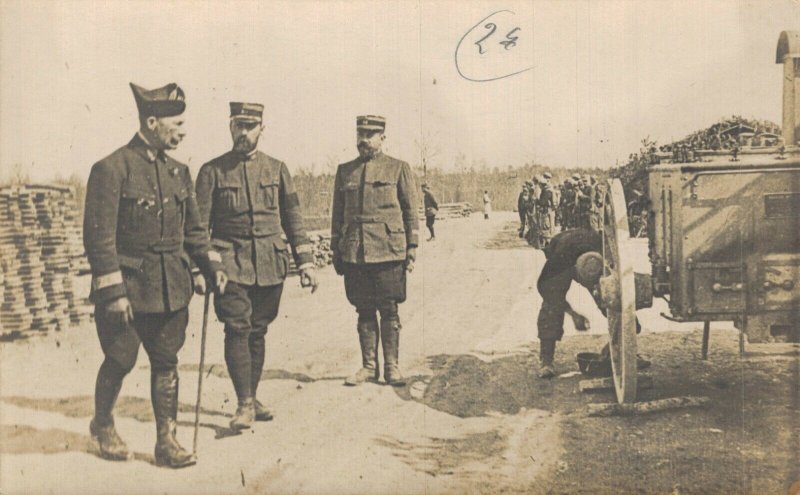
point(618, 292)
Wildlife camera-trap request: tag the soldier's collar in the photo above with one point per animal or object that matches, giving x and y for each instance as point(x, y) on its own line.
point(246, 156)
point(150, 153)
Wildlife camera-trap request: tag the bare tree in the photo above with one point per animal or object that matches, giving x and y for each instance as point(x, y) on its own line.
point(428, 150)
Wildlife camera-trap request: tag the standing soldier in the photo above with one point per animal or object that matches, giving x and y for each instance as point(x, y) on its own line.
point(584, 200)
point(547, 212)
point(565, 205)
point(533, 213)
point(141, 227)
point(431, 209)
point(248, 201)
point(522, 207)
point(598, 192)
point(487, 205)
point(374, 241)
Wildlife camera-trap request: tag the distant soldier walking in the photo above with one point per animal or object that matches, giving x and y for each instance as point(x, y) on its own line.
point(522, 208)
point(141, 227)
point(374, 241)
point(487, 205)
point(431, 209)
point(247, 200)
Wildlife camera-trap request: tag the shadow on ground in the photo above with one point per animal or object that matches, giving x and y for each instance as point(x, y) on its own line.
point(506, 238)
point(745, 441)
point(220, 371)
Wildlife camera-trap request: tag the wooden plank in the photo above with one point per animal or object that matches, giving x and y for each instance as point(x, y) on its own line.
point(637, 408)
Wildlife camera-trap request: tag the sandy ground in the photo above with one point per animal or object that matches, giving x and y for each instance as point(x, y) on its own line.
point(473, 419)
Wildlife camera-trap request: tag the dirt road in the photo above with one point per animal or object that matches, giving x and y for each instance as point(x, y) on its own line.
point(473, 419)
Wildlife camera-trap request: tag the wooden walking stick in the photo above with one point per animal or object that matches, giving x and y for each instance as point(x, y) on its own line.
point(200, 371)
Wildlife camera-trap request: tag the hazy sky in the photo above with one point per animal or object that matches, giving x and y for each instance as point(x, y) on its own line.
point(604, 75)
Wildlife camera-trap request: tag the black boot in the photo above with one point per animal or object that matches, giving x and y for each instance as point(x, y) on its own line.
point(164, 391)
point(107, 387)
point(547, 351)
point(257, 365)
point(368, 339)
point(390, 338)
point(239, 363)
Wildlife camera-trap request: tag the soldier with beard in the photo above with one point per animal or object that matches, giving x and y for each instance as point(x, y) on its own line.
point(374, 241)
point(140, 229)
point(248, 201)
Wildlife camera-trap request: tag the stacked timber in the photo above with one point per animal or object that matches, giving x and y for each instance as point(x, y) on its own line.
point(450, 210)
point(40, 253)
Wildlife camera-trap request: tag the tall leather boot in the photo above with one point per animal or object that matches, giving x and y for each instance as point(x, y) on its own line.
point(368, 339)
point(390, 338)
point(239, 363)
point(106, 391)
point(257, 366)
point(164, 391)
point(547, 351)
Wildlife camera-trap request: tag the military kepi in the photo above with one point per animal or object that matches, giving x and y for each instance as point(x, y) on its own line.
point(166, 101)
point(371, 122)
point(246, 111)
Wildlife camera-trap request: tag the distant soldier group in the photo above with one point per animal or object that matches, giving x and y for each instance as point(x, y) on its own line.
point(543, 207)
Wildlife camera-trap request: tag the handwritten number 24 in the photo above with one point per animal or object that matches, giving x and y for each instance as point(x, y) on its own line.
point(509, 42)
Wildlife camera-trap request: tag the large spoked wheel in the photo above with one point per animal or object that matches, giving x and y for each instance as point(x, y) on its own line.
point(618, 292)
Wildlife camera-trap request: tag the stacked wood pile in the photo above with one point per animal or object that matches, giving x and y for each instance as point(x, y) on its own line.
point(450, 210)
point(321, 247)
point(40, 253)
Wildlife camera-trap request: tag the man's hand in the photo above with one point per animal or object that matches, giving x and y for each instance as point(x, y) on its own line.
point(411, 257)
point(308, 278)
point(121, 311)
point(220, 281)
point(199, 284)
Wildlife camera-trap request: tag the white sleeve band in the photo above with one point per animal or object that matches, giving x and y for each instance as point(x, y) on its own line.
point(107, 280)
point(305, 266)
point(214, 256)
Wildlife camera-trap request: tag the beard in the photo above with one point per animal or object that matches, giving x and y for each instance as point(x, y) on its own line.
point(366, 151)
point(244, 145)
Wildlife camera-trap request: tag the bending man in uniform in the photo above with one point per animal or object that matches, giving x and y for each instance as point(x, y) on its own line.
point(571, 255)
point(374, 241)
point(140, 228)
point(248, 201)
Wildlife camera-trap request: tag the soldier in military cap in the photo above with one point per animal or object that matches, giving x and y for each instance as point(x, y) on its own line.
point(431, 209)
point(547, 211)
point(374, 241)
point(141, 231)
point(567, 204)
point(248, 201)
point(522, 207)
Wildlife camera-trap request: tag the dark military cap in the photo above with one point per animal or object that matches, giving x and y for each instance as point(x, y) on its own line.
point(247, 111)
point(371, 122)
point(161, 102)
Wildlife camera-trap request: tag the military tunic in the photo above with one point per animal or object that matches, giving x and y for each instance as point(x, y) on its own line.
point(141, 232)
point(556, 277)
point(374, 221)
point(547, 215)
point(248, 202)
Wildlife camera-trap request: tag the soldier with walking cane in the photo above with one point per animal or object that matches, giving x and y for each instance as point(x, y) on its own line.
point(141, 231)
point(247, 200)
